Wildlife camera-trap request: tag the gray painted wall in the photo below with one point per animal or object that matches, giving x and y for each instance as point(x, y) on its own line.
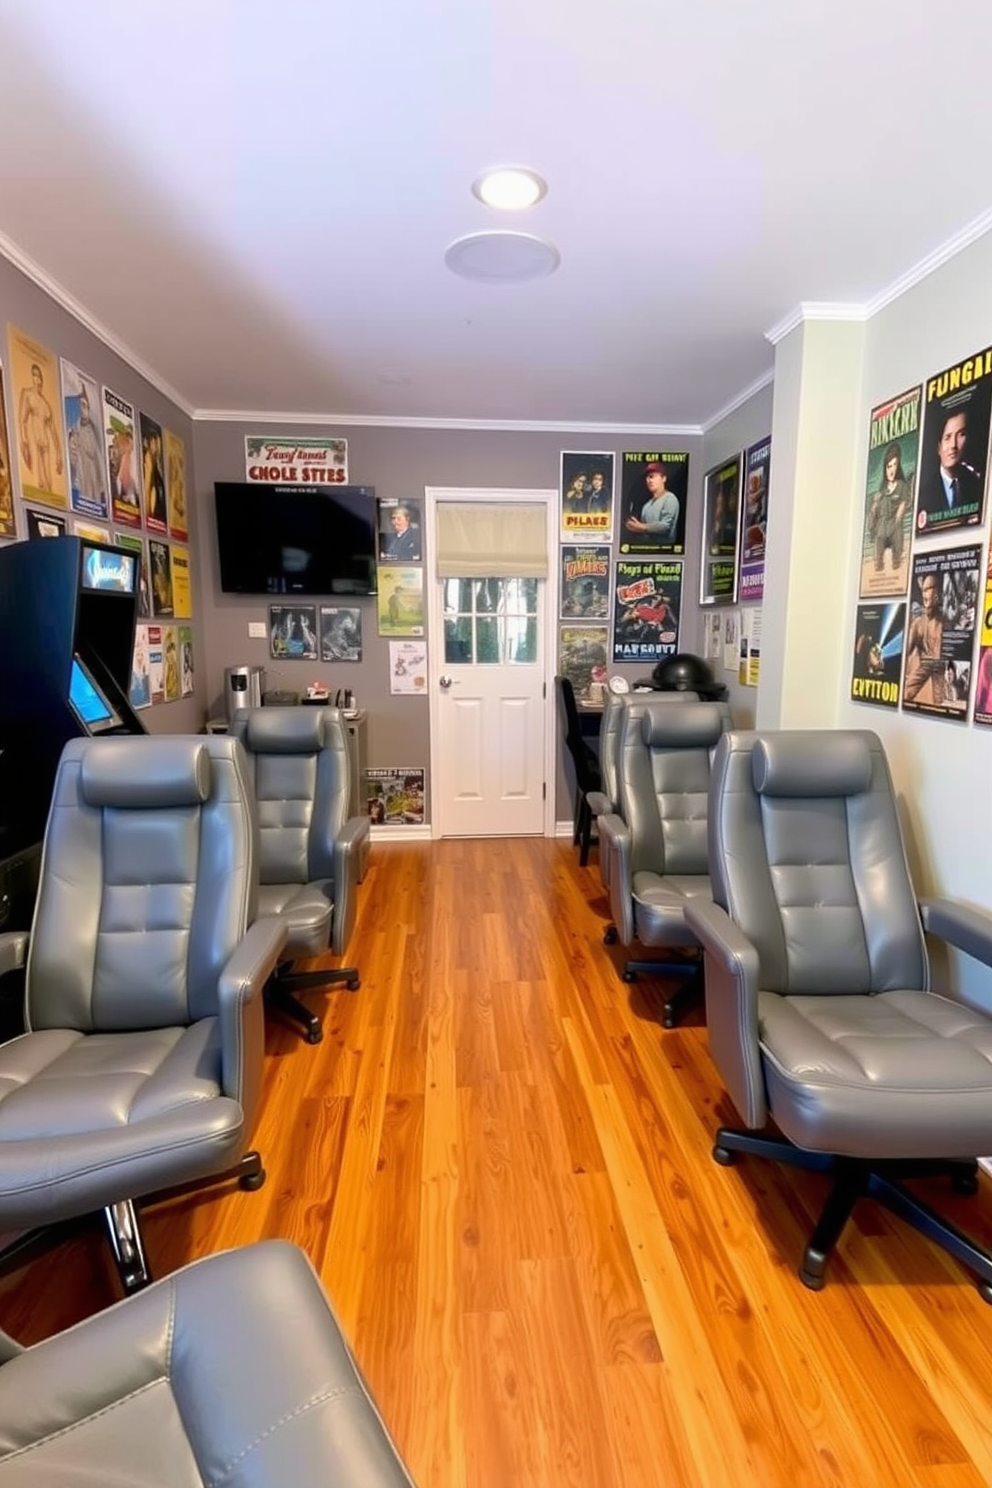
point(36, 313)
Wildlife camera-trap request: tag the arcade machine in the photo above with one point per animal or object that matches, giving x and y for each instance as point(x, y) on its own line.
point(67, 615)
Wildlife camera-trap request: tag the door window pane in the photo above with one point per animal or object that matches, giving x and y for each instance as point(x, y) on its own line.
point(490, 620)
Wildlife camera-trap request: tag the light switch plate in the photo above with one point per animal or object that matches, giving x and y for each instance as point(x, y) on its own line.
point(256, 630)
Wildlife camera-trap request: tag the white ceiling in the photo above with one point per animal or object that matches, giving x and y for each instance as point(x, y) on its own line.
point(255, 196)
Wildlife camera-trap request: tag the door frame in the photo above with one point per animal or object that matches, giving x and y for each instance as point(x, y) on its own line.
point(435, 626)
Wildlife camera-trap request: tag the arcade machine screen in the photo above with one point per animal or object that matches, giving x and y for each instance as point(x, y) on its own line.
point(89, 704)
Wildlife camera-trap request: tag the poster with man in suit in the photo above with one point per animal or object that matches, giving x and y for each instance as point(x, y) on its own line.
point(954, 448)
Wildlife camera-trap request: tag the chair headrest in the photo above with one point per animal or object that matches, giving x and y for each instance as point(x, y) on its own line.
point(831, 762)
point(299, 730)
point(142, 773)
point(686, 726)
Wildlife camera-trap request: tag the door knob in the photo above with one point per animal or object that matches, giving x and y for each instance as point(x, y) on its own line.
point(445, 682)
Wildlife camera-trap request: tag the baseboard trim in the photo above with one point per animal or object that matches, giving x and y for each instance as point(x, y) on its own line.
point(564, 828)
point(421, 832)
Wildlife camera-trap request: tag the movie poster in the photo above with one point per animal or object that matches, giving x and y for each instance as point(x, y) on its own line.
point(170, 650)
point(583, 657)
point(340, 633)
point(879, 634)
point(175, 485)
point(156, 665)
point(182, 588)
point(940, 634)
point(293, 632)
point(954, 447)
point(401, 530)
point(721, 524)
point(983, 679)
point(296, 462)
point(186, 666)
point(133, 544)
point(654, 486)
point(647, 602)
point(893, 461)
point(400, 601)
point(91, 532)
point(586, 496)
point(140, 691)
point(44, 524)
point(395, 797)
point(153, 475)
point(585, 583)
point(8, 521)
point(123, 474)
point(160, 578)
point(84, 440)
point(34, 381)
point(754, 528)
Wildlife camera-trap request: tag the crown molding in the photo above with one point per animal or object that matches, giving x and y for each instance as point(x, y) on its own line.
point(399, 421)
point(815, 310)
point(57, 292)
point(765, 380)
point(969, 234)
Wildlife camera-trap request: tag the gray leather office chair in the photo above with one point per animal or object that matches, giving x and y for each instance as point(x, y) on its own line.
point(309, 848)
point(233, 1371)
point(142, 1066)
point(657, 841)
point(820, 1013)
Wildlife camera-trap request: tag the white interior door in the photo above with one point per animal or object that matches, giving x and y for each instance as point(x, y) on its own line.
point(491, 737)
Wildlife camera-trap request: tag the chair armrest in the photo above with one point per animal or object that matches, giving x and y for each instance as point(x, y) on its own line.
point(599, 803)
point(731, 972)
point(614, 843)
point(13, 950)
point(348, 846)
point(240, 1012)
point(969, 930)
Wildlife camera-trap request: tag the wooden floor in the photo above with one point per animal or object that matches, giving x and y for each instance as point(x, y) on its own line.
point(500, 1164)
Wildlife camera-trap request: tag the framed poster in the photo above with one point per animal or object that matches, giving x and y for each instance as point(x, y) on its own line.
point(653, 493)
point(647, 602)
point(84, 438)
point(586, 496)
point(754, 524)
point(585, 582)
point(879, 636)
point(293, 632)
point(940, 634)
point(34, 380)
point(954, 447)
point(400, 531)
point(395, 796)
point(721, 533)
point(893, 462)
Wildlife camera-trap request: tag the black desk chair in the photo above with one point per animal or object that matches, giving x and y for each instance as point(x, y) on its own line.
point(585, 772)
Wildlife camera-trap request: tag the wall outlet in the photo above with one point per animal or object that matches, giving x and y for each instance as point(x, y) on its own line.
point(256, 630)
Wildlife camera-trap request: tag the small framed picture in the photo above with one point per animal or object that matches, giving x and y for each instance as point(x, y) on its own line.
point(401, 530)
point(721, 533)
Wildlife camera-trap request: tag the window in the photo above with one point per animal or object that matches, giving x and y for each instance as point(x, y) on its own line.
point(490, 620)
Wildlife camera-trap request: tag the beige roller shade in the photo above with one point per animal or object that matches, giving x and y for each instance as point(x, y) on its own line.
point(482, 539)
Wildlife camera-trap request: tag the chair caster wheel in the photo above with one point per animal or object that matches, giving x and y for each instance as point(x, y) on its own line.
point(314, 1035)
point(629, 976)
point(667, 1019)
point(985, 1291)
point(723, 1156)
point(965, 1184)
point(610, 936)
point(251, 1182)
point(353, 984)
point(811, 1280)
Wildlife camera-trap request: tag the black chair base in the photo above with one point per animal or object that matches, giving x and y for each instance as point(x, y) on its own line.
point(582, 837)
point(856, 1178)
point(283, 987)
point(690, 990)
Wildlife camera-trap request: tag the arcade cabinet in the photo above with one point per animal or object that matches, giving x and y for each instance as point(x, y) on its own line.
point(68, 609)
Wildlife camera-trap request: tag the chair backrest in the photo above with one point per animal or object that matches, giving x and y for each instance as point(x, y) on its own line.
point(148, 882)
point(610, 735)
point(582, 757)
point(299, 767)
point(807, 858)
point(664, 775)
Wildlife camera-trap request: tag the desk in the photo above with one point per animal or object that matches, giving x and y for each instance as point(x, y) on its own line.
point(590, 719)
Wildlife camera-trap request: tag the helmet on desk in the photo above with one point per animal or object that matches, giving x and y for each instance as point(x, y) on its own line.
point(685, 672)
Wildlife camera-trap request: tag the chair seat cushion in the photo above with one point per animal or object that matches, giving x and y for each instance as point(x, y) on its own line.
point(659, 902)
point(146, 1106)
point(306, 910)
point(903, 1074)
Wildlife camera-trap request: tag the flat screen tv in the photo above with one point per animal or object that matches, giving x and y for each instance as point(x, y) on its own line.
point(295, 539)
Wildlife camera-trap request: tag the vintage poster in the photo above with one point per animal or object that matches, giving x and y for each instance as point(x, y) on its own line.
point(91, 532)
point(754, 527)
point(293, 632)
point(721, 530)
point(296, 462)
point(749, 663)
point(395, 796)
point(156, 663)
point(153, 475)
point(400, 601)
point(8, 522)
point(140, 691)
point(893, 461)
point(954, 447)
point(408, 668)
point(646, 606)
point(170, 651)
point(123, 472)
point(712, 635)
point(187, 672)
point(584, 657)
point(175, 485)
point(401, 530)
point(879, 637)
point(586, 496)
point(182, 589)
point(45, 524)
point(34, 383)
point(983, 680)
point(135, 544)
point(940, 633)
point(84, 441)
point(160, 578)
point(340, 633)
point(731, 639)
point(653, 491)
point(585, 583)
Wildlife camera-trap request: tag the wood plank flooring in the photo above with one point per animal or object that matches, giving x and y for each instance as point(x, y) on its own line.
point(500, 1164)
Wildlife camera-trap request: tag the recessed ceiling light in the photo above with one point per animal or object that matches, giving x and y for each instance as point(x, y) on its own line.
point(511, 188)
point(502, 257)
